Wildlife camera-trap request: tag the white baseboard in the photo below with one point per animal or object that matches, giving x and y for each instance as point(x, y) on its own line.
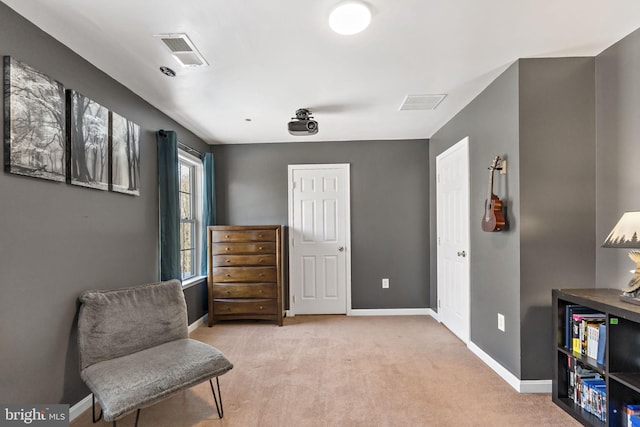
point(390, 312)
point(76, 410)
point(521, 386)
point(195, 325)
point(384, 312)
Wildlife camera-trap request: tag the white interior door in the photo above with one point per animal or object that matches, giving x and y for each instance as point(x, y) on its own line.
point(452, 194)
point(319, 260)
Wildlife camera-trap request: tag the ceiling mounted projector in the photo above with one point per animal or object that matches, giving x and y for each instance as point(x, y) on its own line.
point(303, 123)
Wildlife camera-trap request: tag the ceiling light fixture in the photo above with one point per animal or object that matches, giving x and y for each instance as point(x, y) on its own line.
point(167, 71)
point(350, 17)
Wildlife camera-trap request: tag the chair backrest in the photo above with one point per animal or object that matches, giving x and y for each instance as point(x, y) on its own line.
point(114, 323)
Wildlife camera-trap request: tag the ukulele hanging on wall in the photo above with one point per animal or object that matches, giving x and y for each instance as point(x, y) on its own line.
point(493, 218)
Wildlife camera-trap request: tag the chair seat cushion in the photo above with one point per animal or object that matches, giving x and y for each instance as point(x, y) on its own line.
point(141, 379)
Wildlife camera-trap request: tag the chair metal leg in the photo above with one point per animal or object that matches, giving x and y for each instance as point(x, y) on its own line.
point(137, 417)
point(219, 409)
point(93, 409)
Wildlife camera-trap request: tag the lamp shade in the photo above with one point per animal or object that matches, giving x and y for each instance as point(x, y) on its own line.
point(626, 232)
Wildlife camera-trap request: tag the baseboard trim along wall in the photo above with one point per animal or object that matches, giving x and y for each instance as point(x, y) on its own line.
point(521, 386)
point(384, 312)
point(195, 325)
point(76, 410)
point(390, 312)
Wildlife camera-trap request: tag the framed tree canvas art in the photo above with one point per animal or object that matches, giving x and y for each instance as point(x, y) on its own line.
point(125, 151)
point(88, 142)
point(34, 122)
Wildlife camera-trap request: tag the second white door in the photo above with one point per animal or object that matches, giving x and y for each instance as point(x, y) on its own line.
point(319, 261)
point(452, 194)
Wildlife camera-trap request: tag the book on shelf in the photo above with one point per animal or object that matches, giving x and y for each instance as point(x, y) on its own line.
point(579, 323)
point(584, 335)
point(593, 335)
point(570, 310)
point(600, 399)
point(578, 374)
point(629, 413)
point(591, 397)
point(602, 340)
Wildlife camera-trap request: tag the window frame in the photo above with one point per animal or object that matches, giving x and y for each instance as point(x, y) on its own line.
point(197, 179)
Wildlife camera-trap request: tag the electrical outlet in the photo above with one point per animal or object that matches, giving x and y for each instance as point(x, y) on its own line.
point(385, 283)
point(501, 322)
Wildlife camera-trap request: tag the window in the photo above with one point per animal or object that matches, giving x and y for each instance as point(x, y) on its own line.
point(190, 191)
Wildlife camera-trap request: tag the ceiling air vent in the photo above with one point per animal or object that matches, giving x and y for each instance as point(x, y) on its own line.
point(183, 49)
point(421, 102)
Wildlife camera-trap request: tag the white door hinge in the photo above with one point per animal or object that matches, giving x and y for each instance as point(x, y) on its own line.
point(294, 299)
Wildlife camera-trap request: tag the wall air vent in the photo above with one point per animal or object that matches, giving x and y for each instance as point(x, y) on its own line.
point(183, 49)
point(421, 102)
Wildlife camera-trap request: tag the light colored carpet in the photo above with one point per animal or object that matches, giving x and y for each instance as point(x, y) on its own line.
point(348, 371)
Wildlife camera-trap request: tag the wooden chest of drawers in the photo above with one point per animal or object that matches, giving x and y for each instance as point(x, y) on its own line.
point(245, 272)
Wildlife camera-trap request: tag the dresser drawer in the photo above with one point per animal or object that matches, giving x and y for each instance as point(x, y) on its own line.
point(253, 306)
point(248, 260)
point(244, 274)
point(244, 248)
point(244, 236)
point(241, 290)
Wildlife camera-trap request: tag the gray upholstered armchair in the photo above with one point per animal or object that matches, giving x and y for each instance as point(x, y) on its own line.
point(135, 350)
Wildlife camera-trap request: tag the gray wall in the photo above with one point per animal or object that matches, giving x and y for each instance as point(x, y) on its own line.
point(491, 123)
point(389, 199)
point(557, 195)
point(539, 115)
point(618, 152)
point(58, 240)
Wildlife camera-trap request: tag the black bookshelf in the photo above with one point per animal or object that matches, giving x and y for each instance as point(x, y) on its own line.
point(621, 367)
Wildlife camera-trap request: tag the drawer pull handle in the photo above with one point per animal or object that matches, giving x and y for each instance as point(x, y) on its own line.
point(261, 274)
point(228, 260)
point(227, 236)
point(260, 307)
point(228, 275)
point(259, 248)
point(262, 291)
point(227, 249)
point(259, 235)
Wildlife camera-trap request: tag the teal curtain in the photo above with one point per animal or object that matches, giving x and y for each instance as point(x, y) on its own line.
point(169, 203)
point(209, 205)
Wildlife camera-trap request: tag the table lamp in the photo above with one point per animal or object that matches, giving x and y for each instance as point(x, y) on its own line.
point(625, 235)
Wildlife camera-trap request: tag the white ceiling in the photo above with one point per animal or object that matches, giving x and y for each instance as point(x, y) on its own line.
point(269, 58)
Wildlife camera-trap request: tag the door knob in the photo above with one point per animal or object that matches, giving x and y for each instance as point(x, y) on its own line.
point(341, 248)
point(462, 254)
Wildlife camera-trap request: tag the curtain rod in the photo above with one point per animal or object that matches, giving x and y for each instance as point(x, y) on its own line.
point(189, 149)
point(186, 148)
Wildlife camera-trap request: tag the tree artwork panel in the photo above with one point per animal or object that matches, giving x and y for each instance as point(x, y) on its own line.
point(34, 122)
point(89, 142)
point(125, 146)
